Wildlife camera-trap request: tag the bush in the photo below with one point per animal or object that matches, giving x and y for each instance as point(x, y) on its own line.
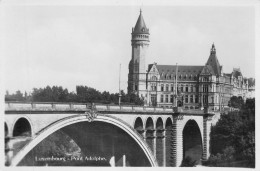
point(188, 162)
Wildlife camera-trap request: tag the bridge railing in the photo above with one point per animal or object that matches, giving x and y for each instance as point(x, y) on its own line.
point(56, 106)
point(46, 106)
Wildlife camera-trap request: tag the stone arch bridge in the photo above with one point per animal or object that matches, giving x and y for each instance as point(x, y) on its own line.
point(125, 135)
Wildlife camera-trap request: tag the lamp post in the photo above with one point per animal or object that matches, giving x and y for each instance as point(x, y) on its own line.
point(176, 87)
point(119, 99)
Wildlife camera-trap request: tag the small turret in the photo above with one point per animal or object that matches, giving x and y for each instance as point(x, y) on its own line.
point(213, 50)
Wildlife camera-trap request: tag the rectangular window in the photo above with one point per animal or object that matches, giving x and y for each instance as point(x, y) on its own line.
point(153, 99)
point(171, 87)
point(186, 99)
point(166, 98)
point(162, 87)
point(162, 98)
point(205, 99)
point(181, 88)
point(191, 98)
point(153, 87)
point(187, 89)
point(191, 88)
point(196, 99)
point(167, 87)
point(171, 98)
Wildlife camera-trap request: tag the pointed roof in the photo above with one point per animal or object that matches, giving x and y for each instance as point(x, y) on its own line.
point(213, 61)
point(207, 70)
point(140, 26)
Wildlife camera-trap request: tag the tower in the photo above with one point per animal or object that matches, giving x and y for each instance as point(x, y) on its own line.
point(137, 65)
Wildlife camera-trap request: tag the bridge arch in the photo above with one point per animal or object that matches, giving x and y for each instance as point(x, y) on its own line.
point(192, 141)
point(138, 123)
point(22, 127)
point(80, 119)
point(149, 124)
point(159, 123)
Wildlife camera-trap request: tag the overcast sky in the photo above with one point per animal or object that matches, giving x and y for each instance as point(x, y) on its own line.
point(84, 45)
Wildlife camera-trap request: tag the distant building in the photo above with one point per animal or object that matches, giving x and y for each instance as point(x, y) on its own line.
point(197, 86)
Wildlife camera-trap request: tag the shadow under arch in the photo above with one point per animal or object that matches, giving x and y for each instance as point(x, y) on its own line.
point(67, 124)
point(138, 124)
point(6, 130)
point(168, 134)
point(192, 141)
point(160, 141)
point(22, 127)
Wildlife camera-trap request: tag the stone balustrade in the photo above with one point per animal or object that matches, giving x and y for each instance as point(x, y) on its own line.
point(55, 106)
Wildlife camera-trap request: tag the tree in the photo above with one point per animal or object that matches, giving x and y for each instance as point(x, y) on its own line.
point(236, 131)
point(236, 102)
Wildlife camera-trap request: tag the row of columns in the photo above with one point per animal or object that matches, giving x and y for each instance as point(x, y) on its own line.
point(151, 134)
point(176, 140)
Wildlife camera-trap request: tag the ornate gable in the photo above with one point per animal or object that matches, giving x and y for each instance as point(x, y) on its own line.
point(207, 70)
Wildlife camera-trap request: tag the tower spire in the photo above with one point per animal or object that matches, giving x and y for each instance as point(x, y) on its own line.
point(213, 49)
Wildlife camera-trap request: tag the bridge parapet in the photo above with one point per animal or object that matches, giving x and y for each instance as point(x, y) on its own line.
point(45, 106)
point(70, 107)
point(135, 109)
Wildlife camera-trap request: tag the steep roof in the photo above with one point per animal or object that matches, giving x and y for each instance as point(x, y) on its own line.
point(207, 70)
point(213, 61)
point(140, 26)
point(182, 69)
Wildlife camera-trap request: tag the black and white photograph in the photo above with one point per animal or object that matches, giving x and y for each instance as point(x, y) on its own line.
point(129, 84)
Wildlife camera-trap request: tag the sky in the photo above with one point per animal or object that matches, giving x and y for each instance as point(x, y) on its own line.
point(69, 45)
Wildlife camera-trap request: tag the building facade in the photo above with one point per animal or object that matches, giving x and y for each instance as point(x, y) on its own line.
point(192, 87)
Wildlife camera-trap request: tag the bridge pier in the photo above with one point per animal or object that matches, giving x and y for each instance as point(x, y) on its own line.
point(206, 136)
point(177, 141)
point(8, 150)
point(154, 142)
point(164, 147)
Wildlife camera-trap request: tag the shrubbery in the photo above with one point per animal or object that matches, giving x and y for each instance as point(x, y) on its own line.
point(233, 137)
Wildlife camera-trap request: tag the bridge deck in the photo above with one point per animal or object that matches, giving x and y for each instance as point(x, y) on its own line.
point(41, 107)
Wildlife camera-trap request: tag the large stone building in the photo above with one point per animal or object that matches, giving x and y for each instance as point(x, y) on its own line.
point(195, 86)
